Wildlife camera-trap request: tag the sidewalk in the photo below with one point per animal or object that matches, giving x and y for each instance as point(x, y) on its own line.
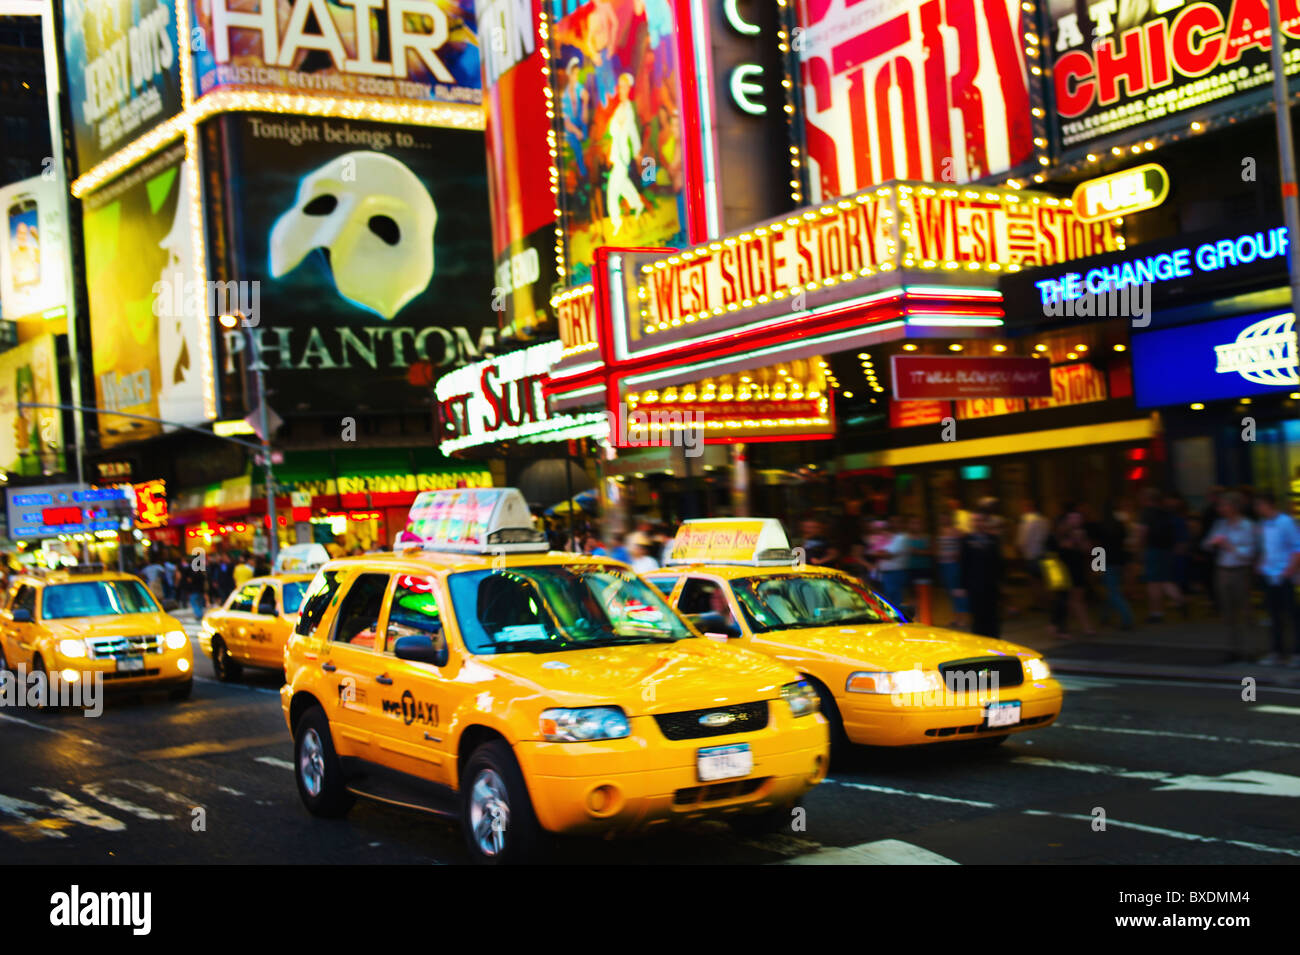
point(1175, 649)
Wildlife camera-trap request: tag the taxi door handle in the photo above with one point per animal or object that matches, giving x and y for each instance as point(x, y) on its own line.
point(385, 679)
point(328, 667)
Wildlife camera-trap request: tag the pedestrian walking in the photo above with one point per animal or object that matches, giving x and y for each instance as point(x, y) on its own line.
point(981, 576)
point(948, 556)
point(1232, 540)
point(1031, 540)
point(1279, 559)
point(1158, 533)
point(1112, 537)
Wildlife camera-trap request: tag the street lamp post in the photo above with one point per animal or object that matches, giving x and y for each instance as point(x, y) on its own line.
point(254, 364)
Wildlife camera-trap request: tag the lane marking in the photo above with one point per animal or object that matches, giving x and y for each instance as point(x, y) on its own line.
point(1171, 734)
point(1094, 768)
point(97, 791)
point(1083, 683)
point(74, 810)
point(47, 729)
point(273, 761)
point(1280, 710)
point(890, 791)
point(28, 828)
point(1171, 833)
point(882, 852)
point(1250, 782)
point(209, 747)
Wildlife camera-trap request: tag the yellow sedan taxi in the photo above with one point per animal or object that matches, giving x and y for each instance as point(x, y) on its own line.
point(882, 681)
point(102, 625)
point(253, 625)
point(471, 673)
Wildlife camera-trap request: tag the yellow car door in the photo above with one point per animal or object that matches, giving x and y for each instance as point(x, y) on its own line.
point(265, 641)
point(238, 619)
point(416, 698)
point(351, 661)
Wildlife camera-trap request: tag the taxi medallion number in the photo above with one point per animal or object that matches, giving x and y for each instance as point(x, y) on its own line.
point(724, 762)
point(1002, 714)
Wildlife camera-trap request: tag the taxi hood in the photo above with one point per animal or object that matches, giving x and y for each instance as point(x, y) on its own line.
point(648, 678)
point(895, 646)
point(120, 625)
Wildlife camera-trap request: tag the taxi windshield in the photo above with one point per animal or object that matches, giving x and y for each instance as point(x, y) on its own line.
point(793, 601)
point(96, 598)
point(553, 607)
point(293, 595)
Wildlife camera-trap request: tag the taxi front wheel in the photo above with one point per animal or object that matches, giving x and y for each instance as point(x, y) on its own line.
point(317, 769)
point(225, 666)
point(497, 815)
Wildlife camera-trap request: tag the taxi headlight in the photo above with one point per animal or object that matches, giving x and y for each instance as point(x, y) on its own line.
point(586, 723)
point(801, 696)
point(895, 682)
point(1037, 669)
point(175, 639)
point(72, 648)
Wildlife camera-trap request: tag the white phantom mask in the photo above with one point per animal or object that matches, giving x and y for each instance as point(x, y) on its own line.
point(375, 219)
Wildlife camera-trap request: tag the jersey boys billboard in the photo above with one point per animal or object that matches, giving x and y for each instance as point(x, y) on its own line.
point(1148, 68)
point(390, 49)
point(897, 89)
point(123, 71)
point(371, 249)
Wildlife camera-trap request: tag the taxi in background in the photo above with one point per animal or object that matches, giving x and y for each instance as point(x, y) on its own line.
point(253, 625)
point(882, 680)
point(75, 624)
point(473, 674)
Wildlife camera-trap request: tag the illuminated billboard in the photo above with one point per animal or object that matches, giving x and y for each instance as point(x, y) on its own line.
point(31, 440)
point(33, 250)
point(421, 50)
point(148, 348)
point(123, 71)
point(1143, 70)
point(937, 90)
point(517, 130)
point(369, 246)
point(622, 170)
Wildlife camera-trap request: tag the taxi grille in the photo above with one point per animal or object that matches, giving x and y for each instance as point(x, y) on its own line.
point(961, 675)
point(716, 792)
point(745, 718)
point(102, 648)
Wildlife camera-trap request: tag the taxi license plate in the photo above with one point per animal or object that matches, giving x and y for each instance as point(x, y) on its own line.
point(130, 664)
point(1002, 714)
point(724, 762)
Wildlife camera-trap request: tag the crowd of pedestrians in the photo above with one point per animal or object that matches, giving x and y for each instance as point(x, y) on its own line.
point(177, 579)
point(1081, 568)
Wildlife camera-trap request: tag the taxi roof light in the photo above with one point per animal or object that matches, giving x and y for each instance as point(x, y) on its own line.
point(472, 521)
point(753, 541)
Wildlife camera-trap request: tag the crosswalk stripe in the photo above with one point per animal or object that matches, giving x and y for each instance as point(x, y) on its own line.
point(882, 852)
point(1172, 734)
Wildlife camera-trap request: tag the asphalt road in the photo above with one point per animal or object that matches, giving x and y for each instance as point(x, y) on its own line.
point(1184, 773)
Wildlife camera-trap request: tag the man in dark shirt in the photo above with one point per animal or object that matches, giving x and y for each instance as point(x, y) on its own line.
point(981, 576)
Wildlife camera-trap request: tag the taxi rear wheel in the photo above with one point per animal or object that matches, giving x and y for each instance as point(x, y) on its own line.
point(316, 768)
point(497, 815)
point(225, 666)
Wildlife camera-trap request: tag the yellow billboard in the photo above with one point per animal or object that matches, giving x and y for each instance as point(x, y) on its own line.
point(31, 441)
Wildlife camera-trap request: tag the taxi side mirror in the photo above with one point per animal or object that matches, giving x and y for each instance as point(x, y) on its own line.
point(22, 615)
point(422, 648)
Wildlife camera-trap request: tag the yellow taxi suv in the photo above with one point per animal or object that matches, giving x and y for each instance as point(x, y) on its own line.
point(252, 627)
point(77, 626)
point(473, 674)
point(881, 680)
